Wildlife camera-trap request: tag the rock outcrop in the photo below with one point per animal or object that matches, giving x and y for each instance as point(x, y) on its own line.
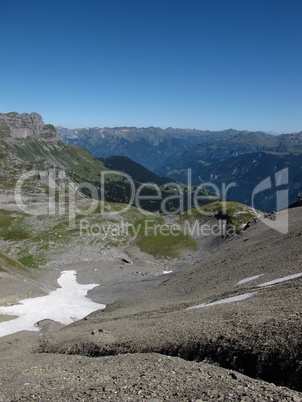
point(25, 125)
point(27, 144)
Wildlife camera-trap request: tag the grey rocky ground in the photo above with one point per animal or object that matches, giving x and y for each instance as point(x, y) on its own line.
point(132, 377)
point(147, 346)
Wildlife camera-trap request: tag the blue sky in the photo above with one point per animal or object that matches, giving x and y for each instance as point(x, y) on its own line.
point(206, 64)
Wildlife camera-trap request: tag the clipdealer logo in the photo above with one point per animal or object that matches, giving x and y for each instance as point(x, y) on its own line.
point(278, 181)
point(62, 198)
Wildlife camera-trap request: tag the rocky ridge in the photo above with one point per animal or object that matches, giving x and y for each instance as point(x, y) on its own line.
point(26, 125)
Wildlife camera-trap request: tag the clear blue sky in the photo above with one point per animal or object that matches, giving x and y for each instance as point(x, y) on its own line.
point(207, 64)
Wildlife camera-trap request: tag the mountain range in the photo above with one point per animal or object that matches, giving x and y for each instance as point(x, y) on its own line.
point(241, 158)
point(148, 146)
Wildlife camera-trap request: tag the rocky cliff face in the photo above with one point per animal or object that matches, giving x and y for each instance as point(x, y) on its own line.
point(27, 144)
point(15, 125)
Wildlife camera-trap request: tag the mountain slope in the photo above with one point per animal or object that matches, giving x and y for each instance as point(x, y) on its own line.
point(26, 143)
point(238, 306)
point(246, 171)
point(30, 230)
point(242, 143)
point(212, 151)
point(246, 160)
point(136, 171)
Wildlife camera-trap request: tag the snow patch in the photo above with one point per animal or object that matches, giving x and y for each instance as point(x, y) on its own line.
point(249, 279)
point(280, 280)
point(223, 301)
point(65, 305)
point(166, 272)
point(247, 295)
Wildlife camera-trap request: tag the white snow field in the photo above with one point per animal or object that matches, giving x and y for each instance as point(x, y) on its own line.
point(65, 305)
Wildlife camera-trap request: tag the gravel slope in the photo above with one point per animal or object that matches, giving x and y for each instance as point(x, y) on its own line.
point(260, 336)
point(139, 377)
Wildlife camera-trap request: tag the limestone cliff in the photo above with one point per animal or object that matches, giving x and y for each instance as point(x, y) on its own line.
point(27, 144)
point(25, 125)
